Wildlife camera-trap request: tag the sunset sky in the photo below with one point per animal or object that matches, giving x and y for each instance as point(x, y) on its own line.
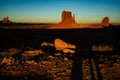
point(45, 11)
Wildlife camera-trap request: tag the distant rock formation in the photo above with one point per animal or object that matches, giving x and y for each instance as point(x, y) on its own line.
point(67, 17)
point(5, 20)
point(67, 21)
point(105, 22)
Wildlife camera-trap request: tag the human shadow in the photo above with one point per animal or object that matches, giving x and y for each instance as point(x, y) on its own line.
point(77, 73)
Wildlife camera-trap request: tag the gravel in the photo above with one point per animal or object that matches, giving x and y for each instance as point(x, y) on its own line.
point(53, 67)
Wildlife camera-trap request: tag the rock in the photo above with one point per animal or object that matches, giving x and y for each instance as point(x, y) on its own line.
point(66, 59)
point(67, 78)
point(67, 21)
point(7, 60)
point(57, 54)
point(46, 44)
point(6, 21)
point(61, 45)
point(117, 65)
point(103, 71)
point(45, 62)
point(69, 51)
point(88, 77)
point(32, 62)
point(68, 72)
point(31, 53)
point(67, 17)
point(59, 78)
point(54, 76)
point(51, 57)
point(105, 22)
point(102, 48)
point(100, 65)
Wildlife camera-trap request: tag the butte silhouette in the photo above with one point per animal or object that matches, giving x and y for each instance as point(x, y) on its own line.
point(6, 21)
point(105, 22)
point(68, 21)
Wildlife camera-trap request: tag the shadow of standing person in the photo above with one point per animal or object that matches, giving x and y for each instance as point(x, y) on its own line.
point(76, 73)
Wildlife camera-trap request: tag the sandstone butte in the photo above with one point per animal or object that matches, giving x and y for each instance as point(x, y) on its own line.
point(5, 20)
point(68, 21)
point(105, 22)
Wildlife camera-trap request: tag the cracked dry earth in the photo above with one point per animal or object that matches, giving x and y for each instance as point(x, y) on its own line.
point(58, 68)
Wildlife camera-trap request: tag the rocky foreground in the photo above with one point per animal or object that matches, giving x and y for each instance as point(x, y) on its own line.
point(38, 65)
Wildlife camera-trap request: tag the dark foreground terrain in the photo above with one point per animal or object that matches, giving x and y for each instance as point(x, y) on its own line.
point(82, 38)
point(49, 64)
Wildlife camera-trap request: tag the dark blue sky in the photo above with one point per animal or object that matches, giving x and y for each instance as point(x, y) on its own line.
point(86, 11)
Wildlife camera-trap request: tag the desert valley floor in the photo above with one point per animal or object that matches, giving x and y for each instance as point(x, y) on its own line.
point(26, 59)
